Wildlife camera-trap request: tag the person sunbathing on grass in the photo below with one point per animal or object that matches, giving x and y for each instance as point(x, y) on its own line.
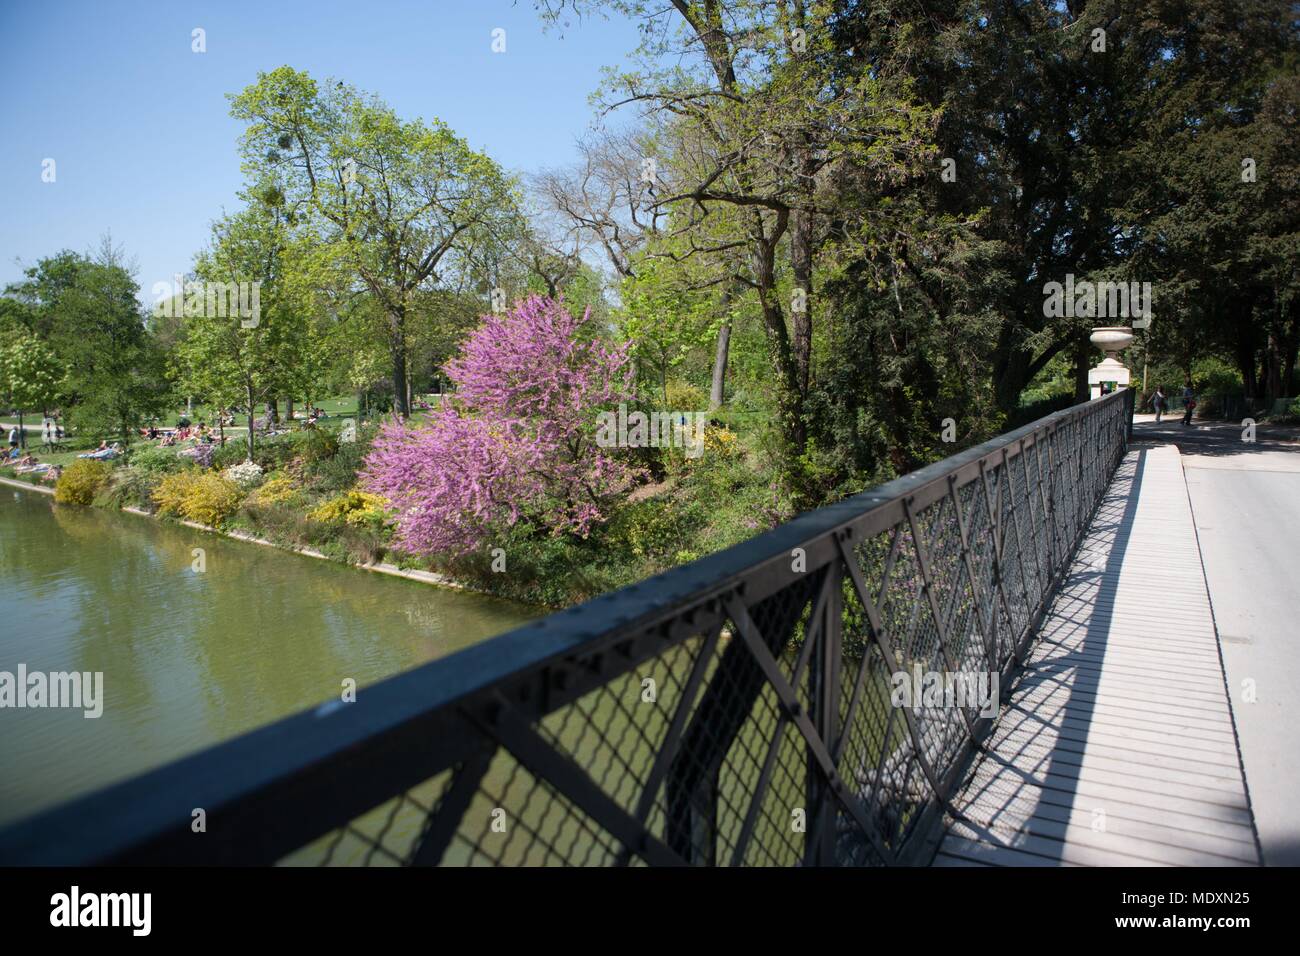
point(104, 452)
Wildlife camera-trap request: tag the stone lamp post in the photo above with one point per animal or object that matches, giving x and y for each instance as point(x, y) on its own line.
point(1111, 339)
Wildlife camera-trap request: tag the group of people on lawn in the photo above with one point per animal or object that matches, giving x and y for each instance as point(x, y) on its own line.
point(199, 434)
point(24, 462)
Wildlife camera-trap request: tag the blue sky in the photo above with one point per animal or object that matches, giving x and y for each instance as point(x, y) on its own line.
point(139, 125)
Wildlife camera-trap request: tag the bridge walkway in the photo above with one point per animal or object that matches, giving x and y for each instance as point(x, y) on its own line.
point(1118, 746)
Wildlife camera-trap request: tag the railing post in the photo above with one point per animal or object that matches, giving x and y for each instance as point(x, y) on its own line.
point(824, 685)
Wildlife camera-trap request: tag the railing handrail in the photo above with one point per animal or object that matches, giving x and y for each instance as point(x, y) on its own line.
point(255, 782)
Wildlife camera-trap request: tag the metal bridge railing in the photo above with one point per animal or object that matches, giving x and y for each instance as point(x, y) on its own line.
point(738, 710)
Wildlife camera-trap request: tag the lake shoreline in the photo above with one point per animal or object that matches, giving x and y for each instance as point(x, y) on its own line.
point(381, 567)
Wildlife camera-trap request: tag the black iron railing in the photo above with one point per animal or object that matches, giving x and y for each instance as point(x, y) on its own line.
point(737, 710)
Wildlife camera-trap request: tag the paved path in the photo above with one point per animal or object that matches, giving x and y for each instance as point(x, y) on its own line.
point(1246, 502)
point(1118, 746)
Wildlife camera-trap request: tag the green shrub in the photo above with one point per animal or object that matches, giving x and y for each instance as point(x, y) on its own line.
point(685, 397)
point(81, 481)
point(339, 472)
point(1214, 376)
point(271, 453)
point(1041, 408)
point(156, 460)
point(286, 525)
point(314, 445)
point(233, 452)
point(130, 486)
point(653, 527)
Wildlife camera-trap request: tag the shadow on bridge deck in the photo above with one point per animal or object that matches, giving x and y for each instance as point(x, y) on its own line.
point(1118, 745)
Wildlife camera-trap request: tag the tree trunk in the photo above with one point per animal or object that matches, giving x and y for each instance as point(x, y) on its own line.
point(801, 265)
point(397, 345)
point(289, 412)
point(789, 395)
point(1082, 355)
point(1288, 367)
point(22, 432)
point(252, 417)
point(718, 388)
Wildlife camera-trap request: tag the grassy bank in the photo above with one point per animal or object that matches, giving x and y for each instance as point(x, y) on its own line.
point(300, 492)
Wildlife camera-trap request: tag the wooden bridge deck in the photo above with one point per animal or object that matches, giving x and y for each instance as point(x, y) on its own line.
point(1118, 746)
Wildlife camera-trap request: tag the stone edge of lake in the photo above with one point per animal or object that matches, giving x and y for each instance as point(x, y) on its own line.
point(379, 567)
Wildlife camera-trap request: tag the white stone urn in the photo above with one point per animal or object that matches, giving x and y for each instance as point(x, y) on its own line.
point(1112, 339)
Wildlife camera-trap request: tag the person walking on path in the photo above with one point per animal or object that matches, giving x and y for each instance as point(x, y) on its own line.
point(1159, 402)
point(1189, 402)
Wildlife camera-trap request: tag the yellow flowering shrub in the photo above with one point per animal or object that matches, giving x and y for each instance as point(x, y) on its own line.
point(198, 496)
point(81, 481)
point(353, 506)
point(277, 491)
point(721, 442)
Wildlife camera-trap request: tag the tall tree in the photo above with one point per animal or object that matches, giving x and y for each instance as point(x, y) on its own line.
point(88, 310)
point(395, 196)
point(31, 376)
point(230, 357)
point(755, 121)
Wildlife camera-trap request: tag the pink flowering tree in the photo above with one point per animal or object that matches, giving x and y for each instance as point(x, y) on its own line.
point(515, 443)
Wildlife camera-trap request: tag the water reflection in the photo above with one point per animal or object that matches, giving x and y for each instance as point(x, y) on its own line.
point(189, 658)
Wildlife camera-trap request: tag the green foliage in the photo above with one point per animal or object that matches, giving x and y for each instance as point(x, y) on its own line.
point(652, 528)
point(345, 146)
point(128, 487)
point(275, 452)
point(87, 312)
point(31, 375)
point(81, 481)
point(316, 445)
point(682, 396)
point(1215, 377)
point(1033, 411)
point(156, 460)
point(340, 470)
point(286, 524)
point(231, 453)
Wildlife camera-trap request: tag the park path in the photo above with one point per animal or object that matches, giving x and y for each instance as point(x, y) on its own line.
point(1246, 503)
point(1118, 746)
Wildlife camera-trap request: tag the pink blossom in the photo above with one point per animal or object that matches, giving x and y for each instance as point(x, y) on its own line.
point(517, 440)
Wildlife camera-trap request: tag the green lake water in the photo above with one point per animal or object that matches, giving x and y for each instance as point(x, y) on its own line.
point(188, 658)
